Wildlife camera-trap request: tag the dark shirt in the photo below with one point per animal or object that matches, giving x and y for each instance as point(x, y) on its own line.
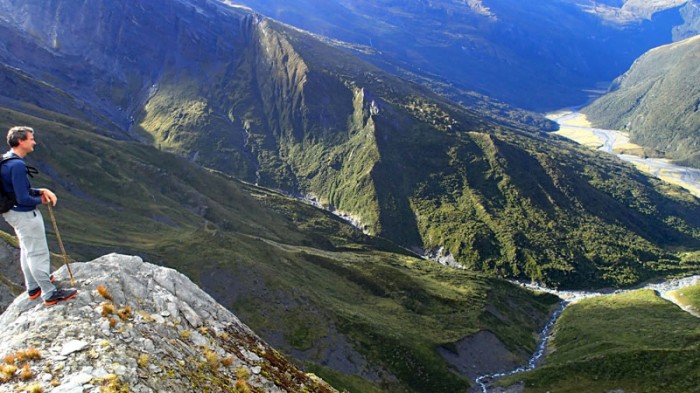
point(15, 179)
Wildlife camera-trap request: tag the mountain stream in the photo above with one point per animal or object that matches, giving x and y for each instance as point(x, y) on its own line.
point(568, 297)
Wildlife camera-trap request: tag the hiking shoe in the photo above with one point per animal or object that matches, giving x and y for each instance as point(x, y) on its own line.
point(36, 292)
point(60, 295)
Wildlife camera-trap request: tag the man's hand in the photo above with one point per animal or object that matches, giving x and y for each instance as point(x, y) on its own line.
point(47, 196)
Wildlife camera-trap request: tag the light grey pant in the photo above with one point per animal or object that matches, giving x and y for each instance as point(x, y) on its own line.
point(34, 251)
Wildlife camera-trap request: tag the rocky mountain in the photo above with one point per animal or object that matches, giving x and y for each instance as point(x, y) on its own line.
point(242, 94)
point(138, 327)
point(361, 312)
point(658, 102)
point(539, 55)
point(113, 89)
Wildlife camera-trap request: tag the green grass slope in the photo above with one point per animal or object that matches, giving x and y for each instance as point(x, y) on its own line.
point(688, 297)
point(307, 282)
point(636, 342)
point(241, 94)
point(657, 102)
point(421, 171)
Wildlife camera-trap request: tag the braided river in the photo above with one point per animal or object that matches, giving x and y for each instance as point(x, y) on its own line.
point(575, 126)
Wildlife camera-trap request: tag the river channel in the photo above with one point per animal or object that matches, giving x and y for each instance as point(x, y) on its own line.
point(575, 126)
point(662, 289)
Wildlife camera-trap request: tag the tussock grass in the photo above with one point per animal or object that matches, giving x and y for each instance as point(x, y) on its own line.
point(635, 341)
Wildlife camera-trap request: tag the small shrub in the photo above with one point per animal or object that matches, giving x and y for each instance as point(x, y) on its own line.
point(7, 372)
point(35, 388)
point(104, 292)
point(26, 373)
point(125, 313)
point(107, 309)
point(10, 359)
point(213, 359)
point(112, 384)
point(143, 360)
point(32, 354)
point(242, 385)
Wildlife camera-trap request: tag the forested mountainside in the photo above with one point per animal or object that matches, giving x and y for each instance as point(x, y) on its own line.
point(658, 102)
point(114, 88)
point(271, 105)
point(534, 54)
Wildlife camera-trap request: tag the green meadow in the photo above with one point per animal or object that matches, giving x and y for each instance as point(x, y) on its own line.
point(637, 342)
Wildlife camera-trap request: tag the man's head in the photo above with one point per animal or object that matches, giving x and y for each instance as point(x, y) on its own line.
point(21, 140)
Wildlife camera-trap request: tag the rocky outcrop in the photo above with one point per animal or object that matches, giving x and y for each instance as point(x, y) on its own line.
point(138, 327)
point(10, 276)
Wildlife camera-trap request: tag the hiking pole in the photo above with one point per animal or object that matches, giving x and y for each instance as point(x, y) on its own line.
point(60, 243)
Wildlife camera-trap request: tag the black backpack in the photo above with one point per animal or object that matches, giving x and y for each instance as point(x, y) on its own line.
point(8, 199)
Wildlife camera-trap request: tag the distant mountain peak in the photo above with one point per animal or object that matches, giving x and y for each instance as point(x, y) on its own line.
point(142, 327)
point(478, 7)
point(631, 11)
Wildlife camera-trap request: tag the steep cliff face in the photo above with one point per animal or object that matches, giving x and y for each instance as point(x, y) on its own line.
point(141, 328)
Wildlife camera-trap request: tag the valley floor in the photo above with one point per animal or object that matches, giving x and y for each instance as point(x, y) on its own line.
point(670, 290)
point(575, 126)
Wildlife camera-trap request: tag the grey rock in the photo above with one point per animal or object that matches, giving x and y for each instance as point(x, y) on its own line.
point(73, 346)
point(163, 333)
point(13, 284)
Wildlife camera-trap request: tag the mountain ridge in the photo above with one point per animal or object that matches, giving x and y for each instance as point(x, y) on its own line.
point(534, 55)
point(411, 164)
point(288, 112)
point(294, 273)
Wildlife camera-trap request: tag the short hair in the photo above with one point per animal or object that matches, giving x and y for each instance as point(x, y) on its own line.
point(17, 134)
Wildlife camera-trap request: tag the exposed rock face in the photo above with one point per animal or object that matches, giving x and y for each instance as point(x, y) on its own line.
point(158, 333)
point(480, 354)
point(11, 276)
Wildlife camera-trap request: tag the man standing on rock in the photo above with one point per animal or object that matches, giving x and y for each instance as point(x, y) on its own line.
point(27, 220)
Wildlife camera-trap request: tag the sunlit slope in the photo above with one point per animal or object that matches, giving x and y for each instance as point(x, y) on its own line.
point(688, 298)
point(274, 106)
point(634, 342)
point(300, 277)
point(424, 173)
point(657, 102)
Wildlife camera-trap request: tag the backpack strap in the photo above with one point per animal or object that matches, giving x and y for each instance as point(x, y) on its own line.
point(31, 171)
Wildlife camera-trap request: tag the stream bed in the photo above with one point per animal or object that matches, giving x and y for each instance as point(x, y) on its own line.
point(569, 297)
